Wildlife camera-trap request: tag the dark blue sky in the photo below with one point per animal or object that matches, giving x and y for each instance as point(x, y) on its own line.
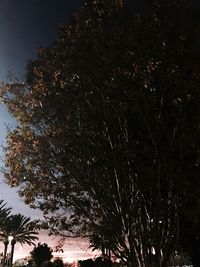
point(27, 24)
point(24, 26)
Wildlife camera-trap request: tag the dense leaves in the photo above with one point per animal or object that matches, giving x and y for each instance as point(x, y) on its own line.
point(107, 142)
point(41, 253)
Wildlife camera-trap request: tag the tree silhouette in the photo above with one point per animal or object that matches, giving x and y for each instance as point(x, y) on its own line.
point(41, 254)
point(109, 127)
point(4, 217)
point(20, 229)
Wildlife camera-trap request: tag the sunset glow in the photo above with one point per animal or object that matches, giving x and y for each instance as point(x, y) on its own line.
point(74, 249)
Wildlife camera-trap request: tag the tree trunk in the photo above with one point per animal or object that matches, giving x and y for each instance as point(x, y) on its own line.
point(5, 252)
point(13, 242)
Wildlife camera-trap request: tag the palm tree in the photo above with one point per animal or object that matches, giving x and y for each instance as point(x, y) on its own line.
point(4, 212)
point(5, 230)
point(20, 229)
point(4, 217)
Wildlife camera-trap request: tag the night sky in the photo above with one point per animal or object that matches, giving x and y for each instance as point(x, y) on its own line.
point(26, 25)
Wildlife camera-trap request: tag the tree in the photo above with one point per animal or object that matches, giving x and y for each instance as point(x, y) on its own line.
point(4, 217)
point(109, 127)
point(41, 254)
point(4, 211)
point(20, 229)
point(58, 263)
point(17, 228)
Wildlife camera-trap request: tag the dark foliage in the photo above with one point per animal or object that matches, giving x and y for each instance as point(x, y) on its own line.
point(42, 253)
point(109, 128)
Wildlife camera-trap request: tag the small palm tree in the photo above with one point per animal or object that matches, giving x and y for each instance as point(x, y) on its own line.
point(4, 217)
point(21, 229)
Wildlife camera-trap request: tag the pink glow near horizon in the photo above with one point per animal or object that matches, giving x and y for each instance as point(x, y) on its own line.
point(74, 249)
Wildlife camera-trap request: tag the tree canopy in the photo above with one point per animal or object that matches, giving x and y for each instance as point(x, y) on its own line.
point(107, 142)
point(41, 254)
